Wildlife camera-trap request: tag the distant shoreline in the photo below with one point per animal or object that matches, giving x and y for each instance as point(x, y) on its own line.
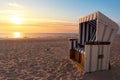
point(39, 35)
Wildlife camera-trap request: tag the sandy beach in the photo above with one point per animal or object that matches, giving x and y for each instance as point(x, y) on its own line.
point(48, 59)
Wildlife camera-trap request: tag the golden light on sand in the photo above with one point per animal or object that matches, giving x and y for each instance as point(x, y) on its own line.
point(16, 19)
point(17, 35)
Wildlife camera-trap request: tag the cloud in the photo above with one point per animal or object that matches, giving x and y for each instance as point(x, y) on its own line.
point(15, 5)
point(11, 8)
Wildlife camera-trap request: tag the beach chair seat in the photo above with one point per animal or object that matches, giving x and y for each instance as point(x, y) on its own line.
point(79, 49)
point(92, 49)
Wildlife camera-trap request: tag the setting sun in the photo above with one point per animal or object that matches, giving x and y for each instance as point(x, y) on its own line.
point(16, 19)
point(17, 35)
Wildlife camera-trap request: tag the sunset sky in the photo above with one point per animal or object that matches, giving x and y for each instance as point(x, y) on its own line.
point(51, 16)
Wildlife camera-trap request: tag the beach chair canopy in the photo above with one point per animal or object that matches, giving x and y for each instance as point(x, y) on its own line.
point(96, 27)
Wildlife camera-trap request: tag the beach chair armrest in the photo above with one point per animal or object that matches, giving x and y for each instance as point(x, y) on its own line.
point(74, 43)
point(81, 46)
point(73, 39)
point(97, 43)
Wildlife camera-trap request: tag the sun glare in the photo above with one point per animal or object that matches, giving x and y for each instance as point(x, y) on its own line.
point(16, 19)
point(17, 35)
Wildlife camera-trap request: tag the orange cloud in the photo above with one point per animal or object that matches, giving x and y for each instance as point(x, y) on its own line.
point(15, 5)
point(43, 27)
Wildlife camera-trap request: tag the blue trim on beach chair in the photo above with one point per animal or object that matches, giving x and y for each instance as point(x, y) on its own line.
point(81, 31)
point(85, 30)
point(88, 33)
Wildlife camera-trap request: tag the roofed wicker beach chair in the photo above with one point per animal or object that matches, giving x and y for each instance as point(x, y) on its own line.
point(91, 51)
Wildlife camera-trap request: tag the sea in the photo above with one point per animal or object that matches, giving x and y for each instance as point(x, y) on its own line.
point(39, 35)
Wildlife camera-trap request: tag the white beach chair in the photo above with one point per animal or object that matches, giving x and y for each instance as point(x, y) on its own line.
point(96, 34)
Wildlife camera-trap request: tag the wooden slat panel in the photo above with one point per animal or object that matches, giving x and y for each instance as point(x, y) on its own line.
point(104, 30)
point(106, 20)
point(87, 57)
point(94, 58)
point(108, 56)
point(112, 35)
point(101, 31)
point(105, 53)
point(72, 53)
point(82, 58)
point(91, 17)
point(77, 56)
point(106, 35)
point(74, 44)
point(99, 60)
point(90, 59)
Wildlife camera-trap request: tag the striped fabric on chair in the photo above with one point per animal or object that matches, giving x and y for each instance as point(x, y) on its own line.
point(87, 33)
point(93, 36)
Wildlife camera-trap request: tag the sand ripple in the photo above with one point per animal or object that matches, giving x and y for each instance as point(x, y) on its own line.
point(36, 60)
